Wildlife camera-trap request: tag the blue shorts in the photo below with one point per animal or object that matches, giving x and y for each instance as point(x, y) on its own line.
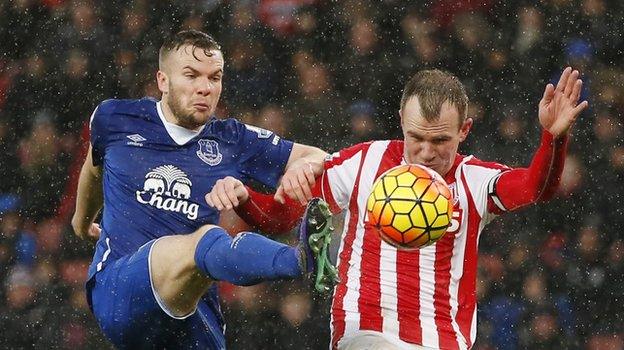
point(131, 315)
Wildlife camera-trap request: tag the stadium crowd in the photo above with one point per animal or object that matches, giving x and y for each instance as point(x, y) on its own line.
point(325, 73)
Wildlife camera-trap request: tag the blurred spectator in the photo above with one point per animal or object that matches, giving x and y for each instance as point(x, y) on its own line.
point(42, 164)
point(364, 126)
point(251, 79)
point(32, 88)
point(280, 15)
point(250, 317)
point(75, 98)
point(8, 158)
point(20, 319)
point(318, 116)
point(544, 332)
point(273, 117)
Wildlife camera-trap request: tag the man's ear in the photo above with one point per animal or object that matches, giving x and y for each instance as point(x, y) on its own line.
point(163, 81)
point(401, 116)
point(465, 129)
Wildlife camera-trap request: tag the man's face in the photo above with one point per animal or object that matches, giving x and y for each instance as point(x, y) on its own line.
point(432, 144)
point(190, 82)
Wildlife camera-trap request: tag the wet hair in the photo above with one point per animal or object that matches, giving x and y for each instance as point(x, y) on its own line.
point(433, 88)
point(193, 38)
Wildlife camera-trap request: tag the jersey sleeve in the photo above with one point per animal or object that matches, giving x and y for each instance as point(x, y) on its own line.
point(538, 182)
point(497, 188)
point(99, 130)
point(264, 155)
point(481, 178)
point(263, 213)
point(338, 179)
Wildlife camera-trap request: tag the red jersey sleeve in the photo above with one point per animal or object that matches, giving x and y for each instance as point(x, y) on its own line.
point(262, 212)
point(519, 187)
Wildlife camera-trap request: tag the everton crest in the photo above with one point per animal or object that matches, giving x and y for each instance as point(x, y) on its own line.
point(209, 152)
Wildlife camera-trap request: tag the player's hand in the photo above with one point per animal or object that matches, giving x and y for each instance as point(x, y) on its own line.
point(94, 232)
point(227, 193)
point(298, 181)
point(559, 106)
point(91, 232)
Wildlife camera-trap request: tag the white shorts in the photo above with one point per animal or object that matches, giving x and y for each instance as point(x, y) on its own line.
point(371, 340)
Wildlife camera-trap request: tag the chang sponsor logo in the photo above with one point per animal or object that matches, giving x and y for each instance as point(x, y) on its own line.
point(168, 188)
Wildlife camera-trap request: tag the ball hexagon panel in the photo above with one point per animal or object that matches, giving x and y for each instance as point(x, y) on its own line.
point(443, 190)
point(387, 214)
point(406, 179)
point(420, 186)
point(412, 234)
point(390, 233)
point(420, 241)
point(406, 193)
point(442, 205)
point(389, 184)
point(419, 172)
point(370, 203)
point(418, 218)
point(379, 192)
point(429, 211)
point(441, 221)
point(437, 234)
point(401, 222)
point(401, 206)
point(430, 195)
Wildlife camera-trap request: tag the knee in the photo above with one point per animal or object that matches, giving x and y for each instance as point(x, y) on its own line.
point(203, 229)
point(198, 234)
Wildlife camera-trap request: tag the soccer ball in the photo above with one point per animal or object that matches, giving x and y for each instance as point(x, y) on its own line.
point(411, 206)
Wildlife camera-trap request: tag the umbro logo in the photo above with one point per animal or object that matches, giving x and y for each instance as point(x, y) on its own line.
point(135, 140)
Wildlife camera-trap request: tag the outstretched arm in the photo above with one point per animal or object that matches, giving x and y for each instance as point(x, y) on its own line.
point(558, 110)
point(258, 210)
point(89, 199)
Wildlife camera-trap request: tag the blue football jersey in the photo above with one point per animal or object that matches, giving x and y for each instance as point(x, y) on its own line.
point(155, 187)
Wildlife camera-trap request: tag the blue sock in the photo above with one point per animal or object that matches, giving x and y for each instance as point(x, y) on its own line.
point(247, 259)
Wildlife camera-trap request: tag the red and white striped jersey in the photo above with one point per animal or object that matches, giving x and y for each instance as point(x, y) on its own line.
point(425, 296)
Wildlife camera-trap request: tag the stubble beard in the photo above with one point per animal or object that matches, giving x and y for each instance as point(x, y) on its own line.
point(184, 118)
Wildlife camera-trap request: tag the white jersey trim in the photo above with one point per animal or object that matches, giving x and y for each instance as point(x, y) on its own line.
point(351, 297)
point(179, 134)
point(492, 192)
point(105, 255)
point(342, 179)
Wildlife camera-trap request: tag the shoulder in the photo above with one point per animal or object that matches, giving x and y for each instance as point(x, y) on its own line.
point(352, 150)
point(232, 130)
point(361, 149)
point(478, 173)
point(106, 107)
point(125, 106)
point(228, 129)
point(472, 161)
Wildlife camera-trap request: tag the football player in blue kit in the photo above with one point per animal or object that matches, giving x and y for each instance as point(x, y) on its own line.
point(158, 248)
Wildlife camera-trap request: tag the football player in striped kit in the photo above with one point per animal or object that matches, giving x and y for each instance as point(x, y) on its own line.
point(391, 298)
